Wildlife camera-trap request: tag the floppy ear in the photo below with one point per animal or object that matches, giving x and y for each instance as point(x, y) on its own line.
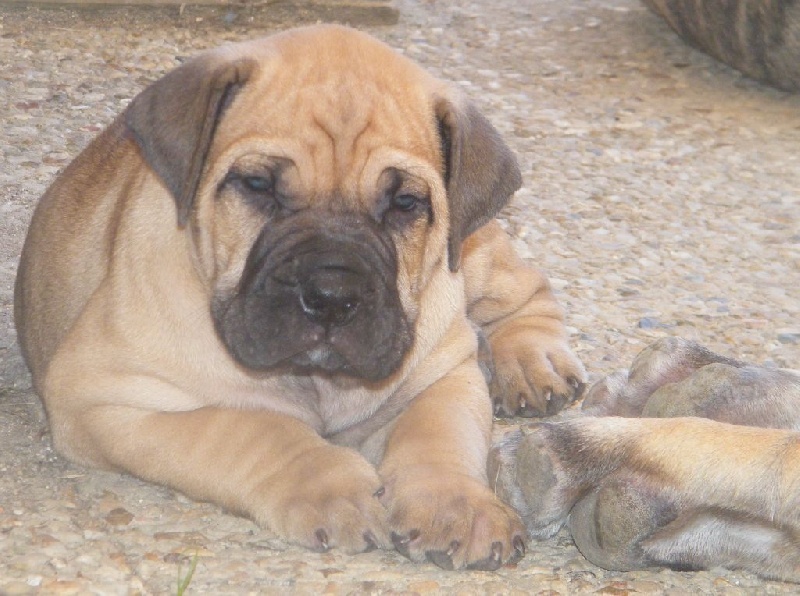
point(174, 119)
point(481, 172)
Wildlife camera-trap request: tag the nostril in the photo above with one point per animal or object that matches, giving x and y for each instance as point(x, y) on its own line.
point(330, 299)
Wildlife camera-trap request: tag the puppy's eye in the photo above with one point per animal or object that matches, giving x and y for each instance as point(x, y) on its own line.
point(405, 202)
point(258, 184)
point(256, 190)
point(405, 199)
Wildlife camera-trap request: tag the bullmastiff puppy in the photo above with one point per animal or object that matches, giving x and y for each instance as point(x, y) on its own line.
point(689, 460)
point(259, 286)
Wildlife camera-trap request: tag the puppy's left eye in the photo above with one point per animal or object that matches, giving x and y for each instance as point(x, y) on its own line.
point(405, 199)
point(405, 202)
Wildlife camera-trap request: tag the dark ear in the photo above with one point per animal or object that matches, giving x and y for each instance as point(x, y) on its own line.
point(481, 173)
point(174, 119)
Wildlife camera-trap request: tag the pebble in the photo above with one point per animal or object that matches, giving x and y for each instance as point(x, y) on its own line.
point(788, 336)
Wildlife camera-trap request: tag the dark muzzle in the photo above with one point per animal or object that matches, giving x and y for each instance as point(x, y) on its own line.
point(318, 293)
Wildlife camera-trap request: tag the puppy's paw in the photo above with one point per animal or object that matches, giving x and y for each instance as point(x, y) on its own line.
point(453, 521)
point(329, 498)
point(535, 372)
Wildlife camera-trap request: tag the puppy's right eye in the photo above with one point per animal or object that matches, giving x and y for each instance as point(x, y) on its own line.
point(257, 183)
point(256, 190)
point(405, 202)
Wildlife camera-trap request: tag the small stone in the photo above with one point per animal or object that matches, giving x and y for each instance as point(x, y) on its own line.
point(119, 517)
point(646, 587)
point(649, 323)
point(789, 336)
point(63, 587)
point(615, 589)
point(424, 587)
point(16, 588)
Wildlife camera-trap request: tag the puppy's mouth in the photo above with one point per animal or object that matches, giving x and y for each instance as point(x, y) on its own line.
point(318, 295)
point(322, 357)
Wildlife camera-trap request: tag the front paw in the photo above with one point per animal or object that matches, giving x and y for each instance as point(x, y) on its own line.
point(329, 497)
point(453, 521)
point(535, 372)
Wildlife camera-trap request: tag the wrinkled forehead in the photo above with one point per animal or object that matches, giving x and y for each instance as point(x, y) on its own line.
point(333, 92)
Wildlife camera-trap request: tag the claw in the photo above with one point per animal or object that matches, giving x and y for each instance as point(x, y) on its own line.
point(401, 543)
point(527, 411)
point(499, 411)
point(372, 542)
point(322, 537)
point(519, 550)
point(492, 562)
point(577, 387)
point(444, 559)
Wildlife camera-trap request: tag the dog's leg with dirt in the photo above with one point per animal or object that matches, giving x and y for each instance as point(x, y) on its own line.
point(683, 492)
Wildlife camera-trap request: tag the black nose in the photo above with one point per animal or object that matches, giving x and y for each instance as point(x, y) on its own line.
point(330, 296)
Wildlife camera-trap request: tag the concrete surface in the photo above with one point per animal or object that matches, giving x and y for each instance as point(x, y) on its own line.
point(661, 196)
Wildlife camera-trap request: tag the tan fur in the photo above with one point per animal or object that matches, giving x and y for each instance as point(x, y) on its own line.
point(113, 307)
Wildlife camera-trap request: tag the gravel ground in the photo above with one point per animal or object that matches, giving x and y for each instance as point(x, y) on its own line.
point(661, 196)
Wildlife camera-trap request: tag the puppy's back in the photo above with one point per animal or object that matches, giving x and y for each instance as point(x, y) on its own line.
point(65, 255)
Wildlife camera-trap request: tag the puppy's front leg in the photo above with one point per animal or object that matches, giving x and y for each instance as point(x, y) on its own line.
point(269, 466)
point(536, 373)
point(436, 487)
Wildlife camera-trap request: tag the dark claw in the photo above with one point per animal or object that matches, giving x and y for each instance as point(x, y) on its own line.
point(322, 537)
point(444, 559)
point(492, 562)
point(401, 543)
point(529, 411)
point(371, 541)
point(557, 403)
point(577, 387)
point(519, 550)
point(380, 492)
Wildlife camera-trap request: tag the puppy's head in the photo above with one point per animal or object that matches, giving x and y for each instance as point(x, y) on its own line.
point(323, 180)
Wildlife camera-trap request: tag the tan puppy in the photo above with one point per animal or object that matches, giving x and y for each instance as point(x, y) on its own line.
point(702, 471)
point(251, 287)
